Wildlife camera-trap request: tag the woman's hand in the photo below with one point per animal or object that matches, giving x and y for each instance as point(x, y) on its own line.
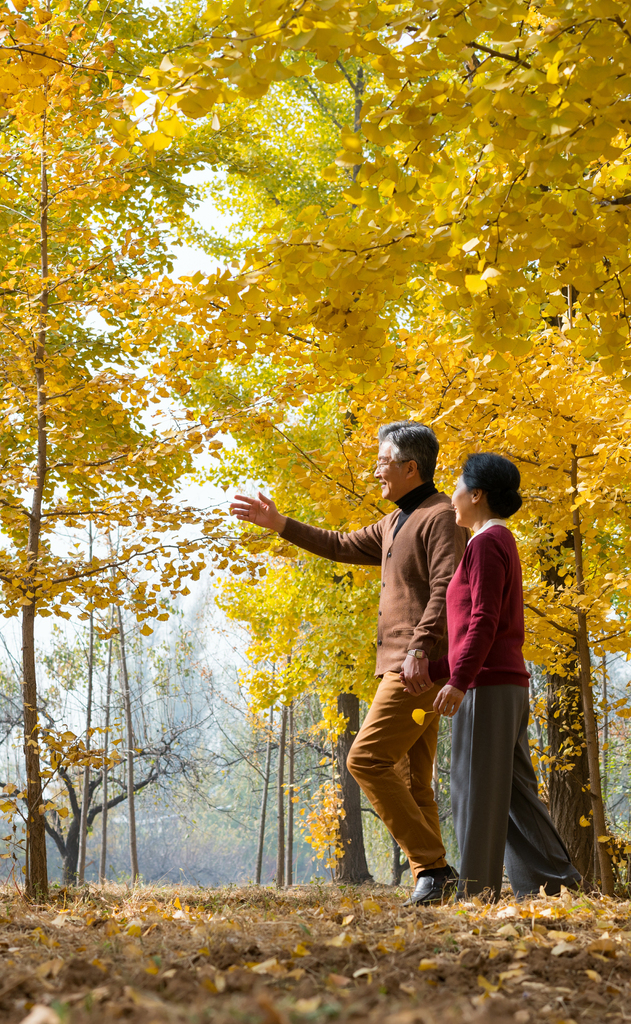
point(260, 511)
point(448, 700)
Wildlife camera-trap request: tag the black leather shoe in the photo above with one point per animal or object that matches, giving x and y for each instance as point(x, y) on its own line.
point(432, 886)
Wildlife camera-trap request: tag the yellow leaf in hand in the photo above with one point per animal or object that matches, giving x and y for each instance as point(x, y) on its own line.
point(419, 715)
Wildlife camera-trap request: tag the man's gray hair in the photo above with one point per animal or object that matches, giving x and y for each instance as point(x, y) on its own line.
point(412, 442)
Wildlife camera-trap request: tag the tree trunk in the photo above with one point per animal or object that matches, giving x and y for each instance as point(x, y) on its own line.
point(36, 863)
point(266, 778)
point(568, 776)
point(605, 732)
point(280, 853)
point(108, 694)
point(289, 870)
point(398, 865)
point(591, 729)
point(568, 790)
point(85, 799)
point(70, 857)
point(351, 867)
point(129, 725)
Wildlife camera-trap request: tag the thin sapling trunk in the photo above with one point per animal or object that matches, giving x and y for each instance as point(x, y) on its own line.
point(266, 778)
point(605, 731)
point(106, 739)
point(36, 863)
point(289, 871)
point(280, 854)
point(133, 847)
point(85, 798)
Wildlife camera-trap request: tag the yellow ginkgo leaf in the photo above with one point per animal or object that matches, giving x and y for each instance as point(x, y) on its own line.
point(475, 284)
point(419, 715)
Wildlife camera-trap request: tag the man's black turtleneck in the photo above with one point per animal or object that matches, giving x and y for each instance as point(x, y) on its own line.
point(411, 501)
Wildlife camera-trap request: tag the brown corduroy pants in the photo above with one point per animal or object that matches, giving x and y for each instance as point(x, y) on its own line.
point(392, 759)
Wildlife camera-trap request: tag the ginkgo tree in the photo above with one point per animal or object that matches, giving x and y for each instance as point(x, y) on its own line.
point(89, 424)
point(491, 149)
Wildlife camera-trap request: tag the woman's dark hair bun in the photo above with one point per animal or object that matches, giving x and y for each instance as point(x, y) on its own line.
point(498, 477)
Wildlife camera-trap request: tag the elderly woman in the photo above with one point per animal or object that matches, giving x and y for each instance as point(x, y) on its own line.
point(498, 816)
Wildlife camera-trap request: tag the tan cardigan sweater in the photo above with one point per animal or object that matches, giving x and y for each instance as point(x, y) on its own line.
point(415, 570)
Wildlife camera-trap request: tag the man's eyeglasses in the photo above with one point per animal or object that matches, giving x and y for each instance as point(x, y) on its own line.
point(382, 462)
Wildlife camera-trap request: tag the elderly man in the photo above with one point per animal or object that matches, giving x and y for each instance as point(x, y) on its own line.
point(418, 547)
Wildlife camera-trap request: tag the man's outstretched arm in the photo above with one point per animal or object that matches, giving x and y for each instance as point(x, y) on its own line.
point(360, 547)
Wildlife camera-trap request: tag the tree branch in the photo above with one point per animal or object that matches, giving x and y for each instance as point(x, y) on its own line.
point(502, 56)
point(563, 629)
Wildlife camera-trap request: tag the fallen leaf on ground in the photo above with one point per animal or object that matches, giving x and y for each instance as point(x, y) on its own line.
point(343, 939)
point(371, 907)
point(602, 946)
point(42, 1015)
point(339, 980)
point(270, 966)
point(307, 1005)
point(508, 930)
point(562, 947)
point(49, 969)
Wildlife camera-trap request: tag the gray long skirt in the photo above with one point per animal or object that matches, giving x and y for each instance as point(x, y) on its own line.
point(498, 816)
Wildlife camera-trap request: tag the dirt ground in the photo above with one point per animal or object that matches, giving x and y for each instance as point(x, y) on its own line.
point(310, 954)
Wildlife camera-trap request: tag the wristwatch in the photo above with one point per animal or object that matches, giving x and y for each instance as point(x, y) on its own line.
point(418, 653)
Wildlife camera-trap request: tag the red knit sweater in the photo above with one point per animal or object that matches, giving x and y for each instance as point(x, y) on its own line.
point(485, 616)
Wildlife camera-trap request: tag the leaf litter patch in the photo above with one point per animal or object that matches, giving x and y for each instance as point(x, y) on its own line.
point(150, 955)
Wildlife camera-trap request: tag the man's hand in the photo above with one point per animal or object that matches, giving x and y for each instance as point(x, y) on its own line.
point(448, 700)
point(260, 511)
point(415, 675)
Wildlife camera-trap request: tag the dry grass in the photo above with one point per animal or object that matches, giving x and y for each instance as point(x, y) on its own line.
point(251, 954)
